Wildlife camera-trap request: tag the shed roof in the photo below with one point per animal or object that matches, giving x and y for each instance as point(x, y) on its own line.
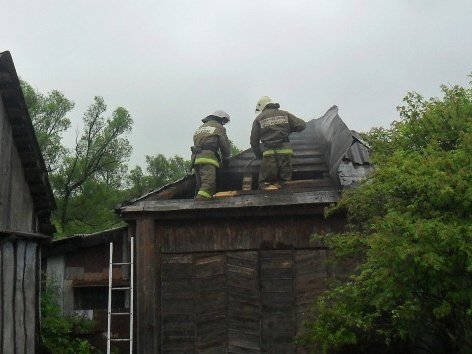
point(26, 143)
point(327, 157)
point(77, 242)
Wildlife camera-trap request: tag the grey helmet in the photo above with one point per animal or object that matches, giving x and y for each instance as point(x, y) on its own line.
point(218, 114)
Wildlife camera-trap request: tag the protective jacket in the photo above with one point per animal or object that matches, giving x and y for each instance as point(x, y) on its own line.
point(273, 127)
point(209, 140)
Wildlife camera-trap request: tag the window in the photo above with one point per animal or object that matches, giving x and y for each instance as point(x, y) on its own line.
point(96, 298)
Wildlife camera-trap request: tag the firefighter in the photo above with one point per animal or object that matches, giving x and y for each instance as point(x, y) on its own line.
point(272, 127)
point(211, 150)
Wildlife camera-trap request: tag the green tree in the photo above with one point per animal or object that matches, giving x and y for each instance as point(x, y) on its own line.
point(163, 170)
point(92, 207)
point(48, 114)
point(410, 229)
point(234, 149)
point(160, 171)
point(99, 155)
point(138, 183)
point(89, 179)
point(61, 334)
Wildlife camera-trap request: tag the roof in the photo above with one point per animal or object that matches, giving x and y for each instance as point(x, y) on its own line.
point(327, 157)
point(26, 143)
point(76, 242)
point(12, 235)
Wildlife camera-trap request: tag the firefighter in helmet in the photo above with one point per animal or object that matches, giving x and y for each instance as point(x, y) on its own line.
point(272, 127)
point(211, 149)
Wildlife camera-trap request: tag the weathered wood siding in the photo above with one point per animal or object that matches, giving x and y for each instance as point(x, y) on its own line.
point(19, 294)
point(240, 285)
point(16, 204)
point(81, 262)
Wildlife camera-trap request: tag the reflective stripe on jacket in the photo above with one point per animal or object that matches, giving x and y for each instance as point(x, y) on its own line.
point(283, 151)
point(206, 161)
point(211, 137)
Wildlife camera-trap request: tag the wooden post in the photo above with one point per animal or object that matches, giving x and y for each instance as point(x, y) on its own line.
point(148, 292)
point(247, 182)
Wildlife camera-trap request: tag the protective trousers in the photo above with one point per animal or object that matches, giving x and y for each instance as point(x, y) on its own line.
point(206, 181)
point(276, 167)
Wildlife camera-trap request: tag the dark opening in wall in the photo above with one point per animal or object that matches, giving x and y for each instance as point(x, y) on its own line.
point(96, 298)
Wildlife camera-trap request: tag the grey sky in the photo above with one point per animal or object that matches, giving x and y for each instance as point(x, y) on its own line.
point(172, 62)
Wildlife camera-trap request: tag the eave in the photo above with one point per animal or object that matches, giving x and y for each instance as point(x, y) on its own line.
point(277, 203)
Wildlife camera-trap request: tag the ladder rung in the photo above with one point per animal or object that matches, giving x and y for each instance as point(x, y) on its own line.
point(122, 288)
point(120, 313)
point(121, 263)
point(120, 340)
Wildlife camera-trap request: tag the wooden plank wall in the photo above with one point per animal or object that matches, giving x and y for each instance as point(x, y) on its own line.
point(147, 309)
point(6, 145)
point(278, 301)
point(244, 304)
point(279, 232)
point(238, 302)
point(178, 317)
point(19, 305)
point(16, 204)
point(238, 287)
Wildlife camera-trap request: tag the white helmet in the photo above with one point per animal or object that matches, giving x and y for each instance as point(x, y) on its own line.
point(263, 102)
point(219, 114)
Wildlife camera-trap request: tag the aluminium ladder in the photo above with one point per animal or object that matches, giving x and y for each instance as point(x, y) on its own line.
point(111, 288)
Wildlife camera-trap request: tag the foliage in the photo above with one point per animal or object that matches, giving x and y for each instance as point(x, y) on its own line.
point(90, 179)
point(410, 228)
point(98, 157)
point(138, 182)
point(92, 208)
point(163, 171)
point(234, 149)
point(61, 334)
point(48, 114)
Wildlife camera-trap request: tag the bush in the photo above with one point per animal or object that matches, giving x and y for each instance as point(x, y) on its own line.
point(61, 334)
point(410, 224)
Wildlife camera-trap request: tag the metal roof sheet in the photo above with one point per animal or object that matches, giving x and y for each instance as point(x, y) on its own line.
point(318, 152)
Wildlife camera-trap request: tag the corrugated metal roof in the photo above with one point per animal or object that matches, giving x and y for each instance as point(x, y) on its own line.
point(359, 151)
point(80, 241)
point(339, 142)
point(318, 152)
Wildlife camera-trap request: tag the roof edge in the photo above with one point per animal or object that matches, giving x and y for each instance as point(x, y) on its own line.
point(10, 87)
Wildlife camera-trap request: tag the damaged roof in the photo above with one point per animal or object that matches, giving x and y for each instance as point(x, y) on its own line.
point(328, 157)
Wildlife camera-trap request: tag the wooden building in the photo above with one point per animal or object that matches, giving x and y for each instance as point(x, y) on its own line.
point(78, 266)
point(238, 274)
point(26, 202)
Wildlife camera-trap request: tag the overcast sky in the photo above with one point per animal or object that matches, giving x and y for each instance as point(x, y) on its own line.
point(172, 62)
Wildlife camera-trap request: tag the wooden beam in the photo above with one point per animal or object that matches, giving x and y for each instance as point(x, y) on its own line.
point(254, 168)
point(147, 287)
point(308, 184)
point(259, 200)
point(247, 182)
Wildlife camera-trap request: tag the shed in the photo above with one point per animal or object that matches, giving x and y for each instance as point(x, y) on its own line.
point(238, 274)
point(26, 203)
point(78, 265)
